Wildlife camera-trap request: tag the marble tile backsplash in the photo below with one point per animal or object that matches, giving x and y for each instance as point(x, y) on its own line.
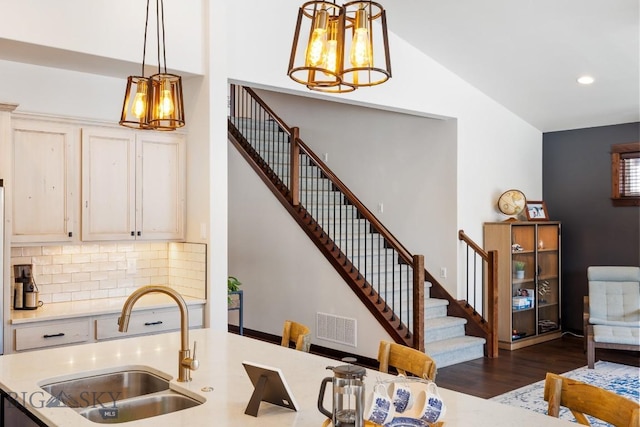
point(92, 271)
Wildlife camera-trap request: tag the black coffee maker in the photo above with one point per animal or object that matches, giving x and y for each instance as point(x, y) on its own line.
point(25, 291)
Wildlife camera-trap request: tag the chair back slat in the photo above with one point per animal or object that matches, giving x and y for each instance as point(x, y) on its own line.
point(406, 360)
point(586, 399)
point(297, 333)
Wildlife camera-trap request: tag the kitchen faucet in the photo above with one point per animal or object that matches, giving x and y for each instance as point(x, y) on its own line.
point(186, 363)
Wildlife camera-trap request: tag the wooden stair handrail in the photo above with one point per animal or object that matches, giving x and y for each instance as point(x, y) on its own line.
point(295, 140)
point(368, 215)
point(275, 117)
point(462, 236)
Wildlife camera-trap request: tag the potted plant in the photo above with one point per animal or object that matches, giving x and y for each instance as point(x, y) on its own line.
point(519, 268)
point(233, 284)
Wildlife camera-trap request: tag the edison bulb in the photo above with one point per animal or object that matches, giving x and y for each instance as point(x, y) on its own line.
point(317, 48)
point(332, 55)
point(139, 107)
point(331, 63)
point(360, 55)
point(165, 107)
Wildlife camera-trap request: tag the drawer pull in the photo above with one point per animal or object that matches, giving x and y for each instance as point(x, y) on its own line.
point(159, 322)
point(59, 334)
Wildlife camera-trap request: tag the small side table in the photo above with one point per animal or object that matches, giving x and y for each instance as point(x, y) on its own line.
point(238, 307)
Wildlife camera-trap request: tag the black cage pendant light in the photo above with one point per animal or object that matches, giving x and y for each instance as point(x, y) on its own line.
point(154, 102)
point(340, 48)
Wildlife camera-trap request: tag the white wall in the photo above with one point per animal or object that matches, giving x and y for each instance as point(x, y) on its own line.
point(103, 29)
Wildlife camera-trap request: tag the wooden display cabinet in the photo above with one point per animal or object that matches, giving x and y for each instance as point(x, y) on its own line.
point(528, 302)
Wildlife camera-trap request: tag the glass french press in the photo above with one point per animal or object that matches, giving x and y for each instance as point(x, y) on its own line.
point(348, 395)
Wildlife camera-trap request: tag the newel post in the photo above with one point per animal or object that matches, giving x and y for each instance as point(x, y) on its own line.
point(492, 306)
point(418, 302)
point(294, 164)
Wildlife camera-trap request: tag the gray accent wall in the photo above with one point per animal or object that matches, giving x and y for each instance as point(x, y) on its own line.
point(577, 190)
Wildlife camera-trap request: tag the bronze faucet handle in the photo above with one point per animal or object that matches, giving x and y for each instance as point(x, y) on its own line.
point(191, 362)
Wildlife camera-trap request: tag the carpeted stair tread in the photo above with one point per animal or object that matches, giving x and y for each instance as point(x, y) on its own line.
point(433, 307)
point(434, 302)
point(444, 322)
point(452, 344)
point(455, 350)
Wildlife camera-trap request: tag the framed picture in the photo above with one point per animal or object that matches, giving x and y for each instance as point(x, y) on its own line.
point(537, 211)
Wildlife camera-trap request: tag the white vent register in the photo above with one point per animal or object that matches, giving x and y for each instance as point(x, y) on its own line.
point(338, 329)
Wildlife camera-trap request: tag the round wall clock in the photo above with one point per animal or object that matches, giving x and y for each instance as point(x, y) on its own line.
point(512, 202)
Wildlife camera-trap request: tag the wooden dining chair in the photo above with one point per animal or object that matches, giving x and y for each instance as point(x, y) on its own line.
point(585, 399)
point(296, 333)
point(406, 360)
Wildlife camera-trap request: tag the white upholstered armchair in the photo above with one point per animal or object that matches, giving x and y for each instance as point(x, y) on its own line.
point(612, 309)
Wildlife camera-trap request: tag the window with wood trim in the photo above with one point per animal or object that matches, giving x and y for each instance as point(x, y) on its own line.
point(625, 174)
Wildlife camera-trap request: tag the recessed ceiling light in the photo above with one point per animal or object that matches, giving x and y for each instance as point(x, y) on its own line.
point(585, 80)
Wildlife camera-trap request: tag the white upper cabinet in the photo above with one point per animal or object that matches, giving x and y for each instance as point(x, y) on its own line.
point(108, 184)
point(161, 179)
point(133, 185)
point(45, 182)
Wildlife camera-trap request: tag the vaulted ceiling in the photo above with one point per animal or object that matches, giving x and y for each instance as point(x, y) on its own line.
point(528, 54)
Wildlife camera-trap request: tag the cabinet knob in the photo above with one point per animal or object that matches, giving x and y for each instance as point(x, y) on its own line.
point(133, 234)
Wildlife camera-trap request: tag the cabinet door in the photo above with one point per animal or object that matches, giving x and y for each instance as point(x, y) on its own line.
point(161, 182)
point(548, 278)
point(45, 183)
point(108, 184)
point(523, 281)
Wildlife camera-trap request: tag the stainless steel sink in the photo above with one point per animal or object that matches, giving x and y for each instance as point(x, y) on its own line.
point(105, 388)
point(118, 396)
point(139, 407)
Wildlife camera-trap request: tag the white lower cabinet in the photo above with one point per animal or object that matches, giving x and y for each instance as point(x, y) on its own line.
point(146, 322)
point(51, 334)
point(54, 333)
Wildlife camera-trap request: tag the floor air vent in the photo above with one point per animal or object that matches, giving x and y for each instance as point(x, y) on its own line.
point(337, 329)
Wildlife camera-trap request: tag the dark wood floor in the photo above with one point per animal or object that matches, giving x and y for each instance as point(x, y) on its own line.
point(514, 369)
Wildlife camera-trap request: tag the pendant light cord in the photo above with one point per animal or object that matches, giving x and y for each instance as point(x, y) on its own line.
point(160, 11)
point(164, 50)
point(144, 48)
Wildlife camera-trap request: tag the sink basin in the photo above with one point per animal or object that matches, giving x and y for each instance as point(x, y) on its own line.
point(139, 407)
point(103, 389)
point(118, 396)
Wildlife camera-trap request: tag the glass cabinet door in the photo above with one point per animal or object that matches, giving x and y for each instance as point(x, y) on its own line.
point(548, 277)
point(523, 281)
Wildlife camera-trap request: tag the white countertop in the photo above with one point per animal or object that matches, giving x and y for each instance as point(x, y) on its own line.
point(95, 307)
point(220, 354)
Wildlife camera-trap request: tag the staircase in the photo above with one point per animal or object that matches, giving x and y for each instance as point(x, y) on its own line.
point(366, 256)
